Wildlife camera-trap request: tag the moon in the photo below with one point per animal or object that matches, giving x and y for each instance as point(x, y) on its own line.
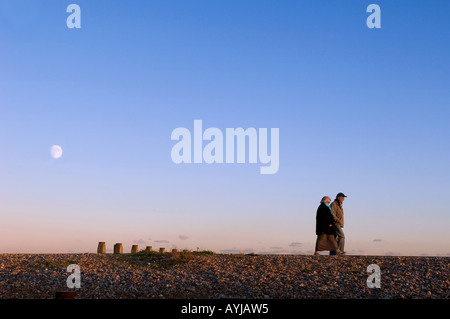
point(56, 151)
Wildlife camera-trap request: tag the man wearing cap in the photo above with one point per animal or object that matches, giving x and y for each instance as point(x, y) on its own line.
point(336, 206)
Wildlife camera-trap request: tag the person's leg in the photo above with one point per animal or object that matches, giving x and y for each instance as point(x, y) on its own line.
point(316, 248)
point(340, 238)
point(334, 252)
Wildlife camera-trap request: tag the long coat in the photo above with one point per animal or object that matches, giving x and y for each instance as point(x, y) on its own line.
point(323, 220)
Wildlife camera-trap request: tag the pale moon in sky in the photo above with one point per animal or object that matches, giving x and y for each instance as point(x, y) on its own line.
point(56, 151)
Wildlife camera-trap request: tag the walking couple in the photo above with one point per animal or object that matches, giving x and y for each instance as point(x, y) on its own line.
point(329, 224)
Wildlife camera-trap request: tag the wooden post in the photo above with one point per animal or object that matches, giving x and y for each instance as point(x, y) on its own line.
point(118, 249)
point(185, 250)
point(162, 250)
point(134, 249)
point(174, 250)
point(101, 249)
point(148, 249)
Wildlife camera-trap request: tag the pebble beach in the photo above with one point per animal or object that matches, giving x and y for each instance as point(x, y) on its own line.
point(208, 275)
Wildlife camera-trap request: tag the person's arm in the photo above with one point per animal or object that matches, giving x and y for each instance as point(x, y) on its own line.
point(321, 220)
point(333, 207)
point(329, 218)
point(337, 215)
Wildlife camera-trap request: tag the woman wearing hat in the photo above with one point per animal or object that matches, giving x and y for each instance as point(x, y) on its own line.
point(325, 230)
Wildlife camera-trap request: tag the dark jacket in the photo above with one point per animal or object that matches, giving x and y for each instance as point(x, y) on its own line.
point(323, 220)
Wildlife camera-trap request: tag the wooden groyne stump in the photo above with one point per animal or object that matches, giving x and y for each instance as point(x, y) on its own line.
point(162, 250)
point(148, 249)
point(174, 250)
point(118, 249)
point(101, 249)
point(134, 249)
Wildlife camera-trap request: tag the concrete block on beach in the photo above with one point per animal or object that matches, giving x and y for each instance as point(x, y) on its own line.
point(148, 249)
point(101, 249)
point(134, 249)
point(162, 250)
point(118, 249)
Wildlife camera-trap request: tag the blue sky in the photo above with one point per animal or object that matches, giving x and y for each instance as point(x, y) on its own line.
point(362, 111)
